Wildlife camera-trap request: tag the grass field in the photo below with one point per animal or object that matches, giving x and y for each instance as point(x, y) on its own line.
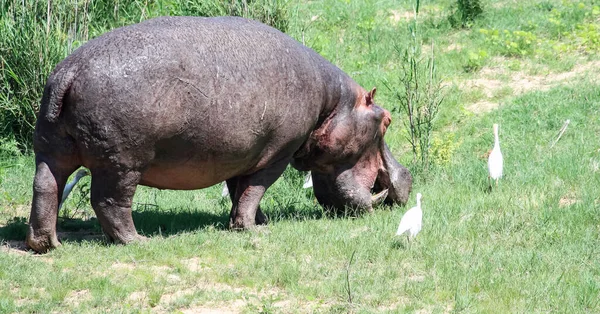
point(530, 245)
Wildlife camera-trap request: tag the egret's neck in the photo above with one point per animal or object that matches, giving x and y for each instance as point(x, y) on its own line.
point(496, 139)
point(419, 202)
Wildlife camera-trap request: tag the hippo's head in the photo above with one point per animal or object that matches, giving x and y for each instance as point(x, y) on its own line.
point(350, 162)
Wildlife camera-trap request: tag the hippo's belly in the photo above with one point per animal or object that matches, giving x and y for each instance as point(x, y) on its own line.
point(188, 176)
point(184, 165)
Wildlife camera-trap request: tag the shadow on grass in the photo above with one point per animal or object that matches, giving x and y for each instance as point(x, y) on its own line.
point(150, 220)
point(399, 243)
point(293, 211)
point(169, 222)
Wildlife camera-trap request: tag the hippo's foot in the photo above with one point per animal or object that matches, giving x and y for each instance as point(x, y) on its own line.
point(245, 210)
point(244, 222)
point(124, 238)
point(42, 241)
point(241, 224)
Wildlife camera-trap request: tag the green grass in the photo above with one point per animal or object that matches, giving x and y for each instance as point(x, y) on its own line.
point(531, 245)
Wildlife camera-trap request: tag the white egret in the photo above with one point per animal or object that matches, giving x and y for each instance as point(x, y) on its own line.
point(69, 187)
point(412, 220)
point(225, 191)
point(307, 185)
point(308, 181)
point(495, 161)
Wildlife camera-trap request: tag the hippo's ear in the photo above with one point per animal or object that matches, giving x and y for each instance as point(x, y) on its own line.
point(369, 96)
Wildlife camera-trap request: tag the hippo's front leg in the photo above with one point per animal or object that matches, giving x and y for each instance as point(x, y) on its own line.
point(246, 196)
point(261, 218)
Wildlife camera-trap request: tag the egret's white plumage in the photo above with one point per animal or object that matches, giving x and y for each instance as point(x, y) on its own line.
point(412, 220)
point(495, 161)
point(225, 191)
point(69, 187)
point(307, 184)
point(308, 181)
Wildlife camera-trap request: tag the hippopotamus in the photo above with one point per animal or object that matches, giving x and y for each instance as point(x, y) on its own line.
point(188, 102)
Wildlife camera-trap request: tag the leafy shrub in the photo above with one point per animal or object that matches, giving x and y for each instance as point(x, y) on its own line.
point(442, 149)
point(9, 147)
point(475, 60)
point(511, 43)
point(587, 37)
point(30, 46)
point(465, 13)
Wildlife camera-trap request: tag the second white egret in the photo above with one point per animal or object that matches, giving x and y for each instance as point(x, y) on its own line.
point(495, 161)
point(412, 220)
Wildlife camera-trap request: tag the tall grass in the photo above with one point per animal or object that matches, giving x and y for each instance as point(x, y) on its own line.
point(36, 35)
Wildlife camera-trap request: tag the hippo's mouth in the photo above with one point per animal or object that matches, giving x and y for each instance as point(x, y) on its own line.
point(390, 184)
point(379, 191)
point(393, 180)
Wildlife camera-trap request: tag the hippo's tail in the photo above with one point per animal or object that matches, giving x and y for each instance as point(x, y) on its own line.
point(57, 87)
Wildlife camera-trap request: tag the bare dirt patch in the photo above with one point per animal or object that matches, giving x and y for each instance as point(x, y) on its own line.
point(122, 266)
point(395, 306)
point(567, 200)
point(14, 247)
point(161, 269)
point(482, 106)
point(194, 264)
point(453, 47)
point(519, 83)
point(138, 297)
point(74, 298)
point(426, 310)
point(247, 297)
point(397, 16)
point(229, 308)
point(169, 298)
point(19, 248)
point(416, 278)
point(173, 279)
point(402, 15)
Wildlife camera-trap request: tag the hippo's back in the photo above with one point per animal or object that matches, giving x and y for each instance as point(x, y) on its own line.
point(226, 95)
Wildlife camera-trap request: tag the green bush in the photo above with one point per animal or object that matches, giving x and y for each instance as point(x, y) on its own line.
point(475, 60)
point(30, 45)
point(465, 13)
point(443, 148)
point(511, 43)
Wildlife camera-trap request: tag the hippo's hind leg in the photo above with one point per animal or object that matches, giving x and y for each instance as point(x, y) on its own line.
point(112, 195)
point(260, 217)
point(51, 174)
point(248, 192)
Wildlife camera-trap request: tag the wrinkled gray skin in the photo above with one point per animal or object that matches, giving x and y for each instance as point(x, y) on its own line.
point(185, 103)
